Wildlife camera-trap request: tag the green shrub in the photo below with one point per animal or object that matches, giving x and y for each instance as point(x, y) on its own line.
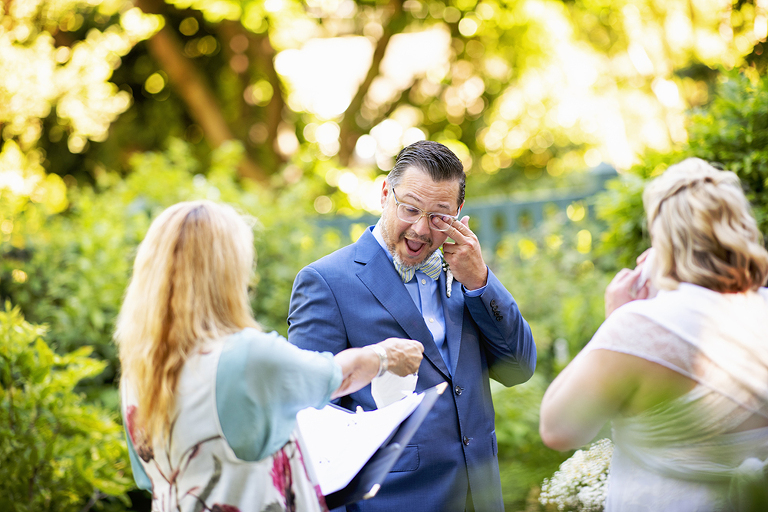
point(558, 283)
point(57, 453)
point(70, 270)
point(621, 207)
point(731, 132)
point(524, 461)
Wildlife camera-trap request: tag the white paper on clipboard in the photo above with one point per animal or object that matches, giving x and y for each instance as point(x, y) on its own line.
point(338, 442)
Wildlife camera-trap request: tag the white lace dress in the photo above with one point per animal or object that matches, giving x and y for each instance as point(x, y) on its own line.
point(688, 454)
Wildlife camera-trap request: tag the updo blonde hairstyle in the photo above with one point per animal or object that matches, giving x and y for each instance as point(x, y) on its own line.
point(189, 285)
point(703, 231)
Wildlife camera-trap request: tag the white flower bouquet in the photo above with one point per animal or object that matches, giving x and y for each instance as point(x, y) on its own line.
point(581, 482)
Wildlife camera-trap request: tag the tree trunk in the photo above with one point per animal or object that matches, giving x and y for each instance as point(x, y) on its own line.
point(262, 50)
point(193, 89)
point(261, 57)
point(349, 133)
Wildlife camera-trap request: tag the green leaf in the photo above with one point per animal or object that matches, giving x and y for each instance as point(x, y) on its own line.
point(50, 439)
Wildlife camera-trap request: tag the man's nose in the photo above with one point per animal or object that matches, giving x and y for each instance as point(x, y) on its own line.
point(421, 226)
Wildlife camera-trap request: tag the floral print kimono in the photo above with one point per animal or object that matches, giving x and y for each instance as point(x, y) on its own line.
point(195, 469)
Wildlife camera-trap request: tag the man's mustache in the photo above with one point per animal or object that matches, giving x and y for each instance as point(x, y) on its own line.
point(414, 236)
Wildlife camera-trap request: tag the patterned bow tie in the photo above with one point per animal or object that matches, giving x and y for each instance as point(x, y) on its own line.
point(431, 266)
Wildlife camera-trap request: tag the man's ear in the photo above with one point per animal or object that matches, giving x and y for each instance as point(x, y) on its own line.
point(384, 193)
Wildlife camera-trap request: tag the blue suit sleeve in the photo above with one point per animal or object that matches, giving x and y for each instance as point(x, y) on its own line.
point(314, 320)
point(507, 336)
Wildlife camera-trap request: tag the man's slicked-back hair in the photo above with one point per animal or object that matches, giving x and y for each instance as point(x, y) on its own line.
point(433, 158)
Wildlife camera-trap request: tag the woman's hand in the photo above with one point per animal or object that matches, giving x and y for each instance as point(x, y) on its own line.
point(403, 356)
point(644, 256)
point(624, 288)
point(360, 365)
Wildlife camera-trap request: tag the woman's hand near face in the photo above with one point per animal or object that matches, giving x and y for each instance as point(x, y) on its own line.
point(626, 286)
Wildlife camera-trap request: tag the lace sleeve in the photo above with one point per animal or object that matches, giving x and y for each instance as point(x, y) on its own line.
point(639, 336)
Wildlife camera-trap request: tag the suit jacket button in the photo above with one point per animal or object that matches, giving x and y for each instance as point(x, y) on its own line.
point(458, 390)
point(493, 303)
point(465, 441)
point(498, 318)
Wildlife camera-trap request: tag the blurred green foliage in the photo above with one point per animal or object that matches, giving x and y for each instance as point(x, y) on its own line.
point(621, 206)
point(74, 268)
point(558, 282)
point(731, 132)
point(57, 452)
point(525, 91)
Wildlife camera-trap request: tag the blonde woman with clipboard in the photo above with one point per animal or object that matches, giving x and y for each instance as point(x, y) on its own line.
point(209, 400)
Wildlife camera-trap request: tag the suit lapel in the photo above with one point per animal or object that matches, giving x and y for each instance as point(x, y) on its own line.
point(378, 274)
point(453, 310)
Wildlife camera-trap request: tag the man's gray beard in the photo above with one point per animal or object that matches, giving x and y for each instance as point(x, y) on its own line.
point(391, 247)
point(403, 265)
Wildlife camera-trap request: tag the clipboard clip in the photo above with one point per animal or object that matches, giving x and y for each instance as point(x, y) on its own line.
point(370, 494)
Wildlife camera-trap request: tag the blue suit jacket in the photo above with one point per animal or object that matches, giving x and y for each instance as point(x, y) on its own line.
point(354, 297)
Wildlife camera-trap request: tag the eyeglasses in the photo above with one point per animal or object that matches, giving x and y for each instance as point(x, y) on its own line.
point(412, 214)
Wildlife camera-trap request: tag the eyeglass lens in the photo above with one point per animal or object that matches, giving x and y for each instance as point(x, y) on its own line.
point(412, 214)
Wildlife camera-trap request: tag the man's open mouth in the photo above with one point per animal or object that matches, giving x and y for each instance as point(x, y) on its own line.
point(414, 246)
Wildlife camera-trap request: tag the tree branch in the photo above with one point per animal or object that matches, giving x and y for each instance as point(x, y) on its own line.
point(261, 49)
point(401, 99)
point(261, 55)
point(348, 128)
point(193, 89)
point(97, 495)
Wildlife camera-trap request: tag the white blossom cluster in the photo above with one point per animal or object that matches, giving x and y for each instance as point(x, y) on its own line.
point(581, 482)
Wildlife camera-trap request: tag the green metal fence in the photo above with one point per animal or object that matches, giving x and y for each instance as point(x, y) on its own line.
point(491, 217)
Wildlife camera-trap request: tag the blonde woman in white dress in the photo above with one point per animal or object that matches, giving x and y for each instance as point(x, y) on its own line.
point(682, 373)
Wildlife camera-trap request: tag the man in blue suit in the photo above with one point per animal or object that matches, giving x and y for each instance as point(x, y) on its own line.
point(392, 283)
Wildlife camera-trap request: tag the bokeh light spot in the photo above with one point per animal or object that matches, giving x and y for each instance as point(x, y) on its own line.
point(323, 204)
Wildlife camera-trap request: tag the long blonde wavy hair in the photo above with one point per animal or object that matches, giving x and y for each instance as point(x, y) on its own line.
point(703, 230)
point(189, 285)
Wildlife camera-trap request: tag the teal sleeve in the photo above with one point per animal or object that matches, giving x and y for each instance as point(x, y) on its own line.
point(262, 381)
point(139, 475)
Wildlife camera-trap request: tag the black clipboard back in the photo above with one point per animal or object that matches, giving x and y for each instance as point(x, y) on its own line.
point(368, 481)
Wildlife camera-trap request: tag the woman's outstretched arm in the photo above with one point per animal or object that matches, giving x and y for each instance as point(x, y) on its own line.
point(360, 365)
